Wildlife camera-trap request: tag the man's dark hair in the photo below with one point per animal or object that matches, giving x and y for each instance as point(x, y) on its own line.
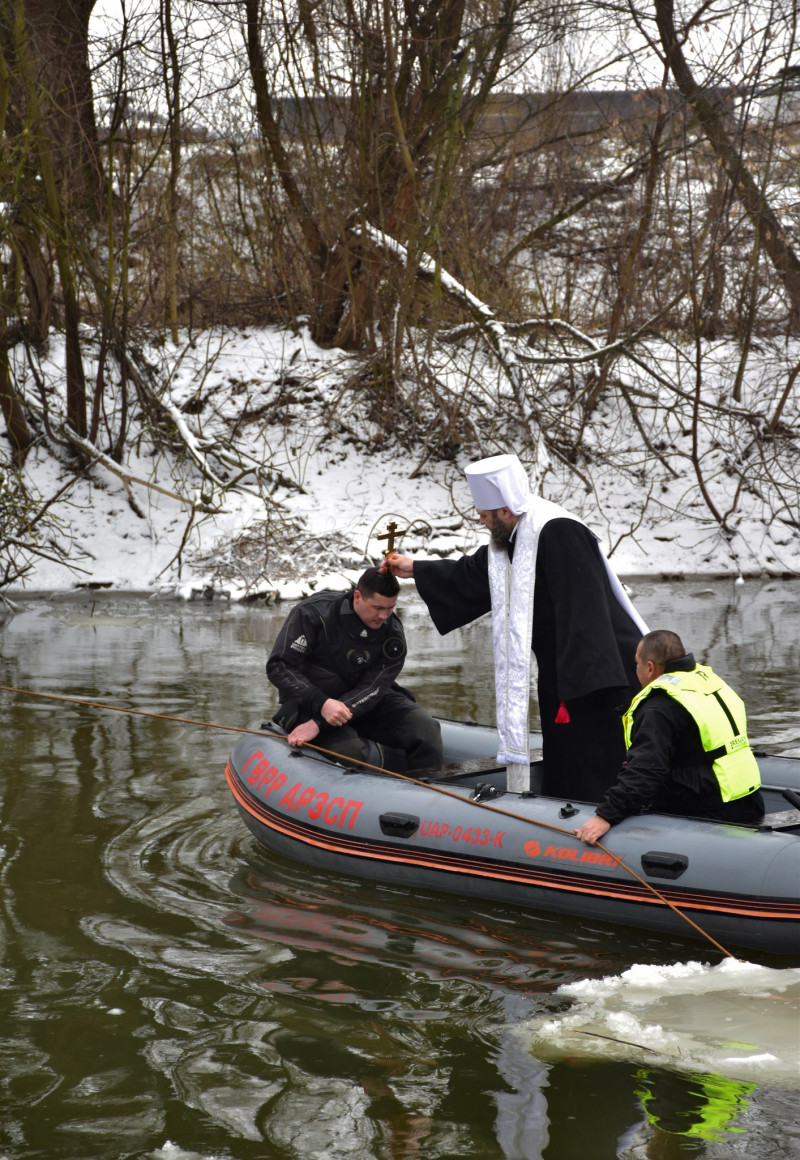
point(375, 583)
point(661, 646)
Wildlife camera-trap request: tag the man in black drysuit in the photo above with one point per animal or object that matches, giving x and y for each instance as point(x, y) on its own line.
point(335, 664)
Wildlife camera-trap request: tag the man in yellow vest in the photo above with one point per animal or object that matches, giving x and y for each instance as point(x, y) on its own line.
point(686, 736)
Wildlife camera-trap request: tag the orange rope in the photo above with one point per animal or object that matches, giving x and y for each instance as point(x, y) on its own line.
point(378, 769)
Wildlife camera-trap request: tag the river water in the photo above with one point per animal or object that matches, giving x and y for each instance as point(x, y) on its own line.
point(168, 990)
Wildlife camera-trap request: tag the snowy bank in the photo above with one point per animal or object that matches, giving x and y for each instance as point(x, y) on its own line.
point(277, 474)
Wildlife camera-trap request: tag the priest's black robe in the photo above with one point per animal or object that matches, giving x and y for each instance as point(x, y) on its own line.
point(584, 642)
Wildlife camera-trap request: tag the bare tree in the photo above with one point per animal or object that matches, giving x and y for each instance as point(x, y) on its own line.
point(713, 114)
point(50, 119)
point(383, 102)
point(172, 90)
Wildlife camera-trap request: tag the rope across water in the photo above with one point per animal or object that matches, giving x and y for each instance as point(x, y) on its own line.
point(378, 769)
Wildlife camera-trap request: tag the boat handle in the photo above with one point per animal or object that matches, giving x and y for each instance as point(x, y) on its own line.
point(662, 864)
point(399, 825)
point(792, 798)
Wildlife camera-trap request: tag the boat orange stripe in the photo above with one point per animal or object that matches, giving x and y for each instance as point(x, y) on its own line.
point(551, 880)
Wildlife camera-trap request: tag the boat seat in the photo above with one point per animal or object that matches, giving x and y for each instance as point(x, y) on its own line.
point(781, 820)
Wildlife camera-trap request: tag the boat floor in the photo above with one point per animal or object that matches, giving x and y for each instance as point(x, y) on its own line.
point(471, 767)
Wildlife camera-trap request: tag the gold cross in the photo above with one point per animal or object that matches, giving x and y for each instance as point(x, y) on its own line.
point(389, 534)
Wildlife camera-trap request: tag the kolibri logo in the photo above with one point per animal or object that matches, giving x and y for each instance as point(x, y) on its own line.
point(570, 854)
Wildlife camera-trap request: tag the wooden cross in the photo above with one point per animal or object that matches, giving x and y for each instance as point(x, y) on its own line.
point(389, 534)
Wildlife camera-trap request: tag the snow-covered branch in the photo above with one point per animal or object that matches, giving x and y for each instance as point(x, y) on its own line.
point(95, 455)
point(484, 316)
point(191, 443)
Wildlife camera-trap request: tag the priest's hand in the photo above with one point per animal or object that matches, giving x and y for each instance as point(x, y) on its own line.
point(335, 712)
point(591, 831)
point(402, 566)
point(303, 733)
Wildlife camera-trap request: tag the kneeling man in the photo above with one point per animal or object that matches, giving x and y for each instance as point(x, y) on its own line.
point(688, 753)
point(335, 664)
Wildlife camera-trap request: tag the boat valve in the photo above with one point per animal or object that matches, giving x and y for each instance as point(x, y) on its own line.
point(568, 811)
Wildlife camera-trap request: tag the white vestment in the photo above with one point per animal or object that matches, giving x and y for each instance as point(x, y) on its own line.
point(512, 593)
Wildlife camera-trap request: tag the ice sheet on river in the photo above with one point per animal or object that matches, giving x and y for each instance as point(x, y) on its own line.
point(736, 1019)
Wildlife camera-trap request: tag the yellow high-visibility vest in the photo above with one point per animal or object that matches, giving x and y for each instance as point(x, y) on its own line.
point(720, 716)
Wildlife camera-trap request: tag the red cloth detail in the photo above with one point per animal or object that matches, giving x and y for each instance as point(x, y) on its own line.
point(562, 716)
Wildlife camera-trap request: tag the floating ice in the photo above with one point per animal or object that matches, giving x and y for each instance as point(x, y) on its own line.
point(736, 1019)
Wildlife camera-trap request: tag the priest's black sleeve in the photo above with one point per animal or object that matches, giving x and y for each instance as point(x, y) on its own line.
point(455, 591)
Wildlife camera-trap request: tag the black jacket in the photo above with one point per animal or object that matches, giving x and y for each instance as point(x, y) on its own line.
point(325, 650)
point(667, 770)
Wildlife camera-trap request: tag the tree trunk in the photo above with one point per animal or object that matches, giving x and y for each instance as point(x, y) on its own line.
point(172, 89)
point(12, 410)
point(629, 265)
point(329, 297)
point(51, 126)
point(37, 271)
point(54, 35)
point(53, 168)
point(711, 115)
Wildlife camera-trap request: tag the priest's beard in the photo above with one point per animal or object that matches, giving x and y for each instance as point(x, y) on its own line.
point(499, 534)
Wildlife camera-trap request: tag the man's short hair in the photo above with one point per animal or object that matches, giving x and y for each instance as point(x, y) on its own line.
point(375, 583)
point(661, 646)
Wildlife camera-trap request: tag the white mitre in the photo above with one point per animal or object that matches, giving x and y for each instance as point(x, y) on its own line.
point(499, 481)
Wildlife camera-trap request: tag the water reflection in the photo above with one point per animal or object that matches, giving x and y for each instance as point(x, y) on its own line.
point(479, 942)
point(168, 989)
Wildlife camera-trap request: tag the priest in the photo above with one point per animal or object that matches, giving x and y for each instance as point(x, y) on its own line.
point(550, 589)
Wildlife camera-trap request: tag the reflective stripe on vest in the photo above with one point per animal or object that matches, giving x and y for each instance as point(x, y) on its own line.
point(720, 717)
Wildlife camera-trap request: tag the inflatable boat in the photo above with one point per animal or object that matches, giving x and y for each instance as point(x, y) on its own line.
point(462, 831)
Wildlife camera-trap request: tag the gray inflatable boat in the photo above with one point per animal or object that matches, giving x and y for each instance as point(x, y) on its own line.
point(463, 832)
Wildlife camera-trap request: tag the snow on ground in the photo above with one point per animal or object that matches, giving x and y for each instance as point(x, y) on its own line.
point(330, 482)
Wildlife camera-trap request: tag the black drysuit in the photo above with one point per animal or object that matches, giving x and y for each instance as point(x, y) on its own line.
point(324, 650)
